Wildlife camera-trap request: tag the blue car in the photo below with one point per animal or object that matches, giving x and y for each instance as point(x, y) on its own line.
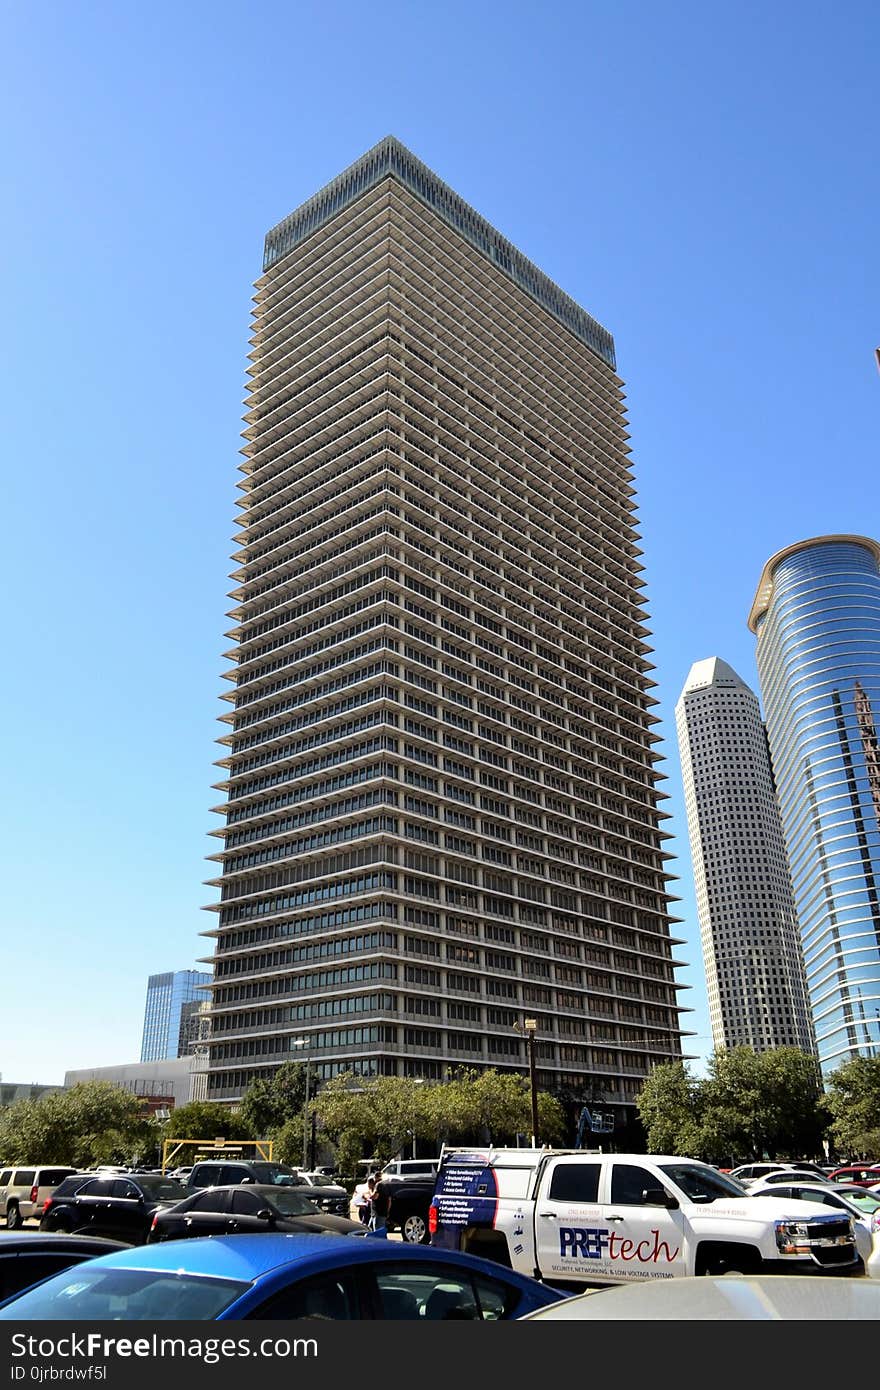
point(219, 1278)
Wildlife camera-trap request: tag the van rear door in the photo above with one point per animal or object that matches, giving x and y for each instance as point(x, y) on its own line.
point(465, 1195)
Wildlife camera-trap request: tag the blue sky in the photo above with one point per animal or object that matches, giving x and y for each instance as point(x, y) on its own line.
point(703, 179)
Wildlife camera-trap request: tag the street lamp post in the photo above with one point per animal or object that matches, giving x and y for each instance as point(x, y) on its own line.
point(529, 1027)
point(304, 1042)
point(416, 1081)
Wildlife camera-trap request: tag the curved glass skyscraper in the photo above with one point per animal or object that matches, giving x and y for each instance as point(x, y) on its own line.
point(816, 616)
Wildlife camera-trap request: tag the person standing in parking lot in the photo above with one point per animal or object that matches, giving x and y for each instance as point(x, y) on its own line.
point(380, 1204)
point(363, 1201)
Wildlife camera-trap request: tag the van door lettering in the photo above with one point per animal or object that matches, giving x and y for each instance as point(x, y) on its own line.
point(577, 1241)
point(590, 1243)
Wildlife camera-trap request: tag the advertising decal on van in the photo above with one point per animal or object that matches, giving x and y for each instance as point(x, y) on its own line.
point(467, 1192)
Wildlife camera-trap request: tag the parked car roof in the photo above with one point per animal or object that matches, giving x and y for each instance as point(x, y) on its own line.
point(784, 1175)
point(728, 1298)
point(29, 1242)
point(248, 1256)
point(850, 1192)
point(857, 1168)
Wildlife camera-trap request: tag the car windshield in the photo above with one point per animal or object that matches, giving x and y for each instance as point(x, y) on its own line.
point(163, 1189)
point(797, 1175)
point(701, 1183)
point(123, 1295)
point(278, 1175)
point(826, 1195)
point(291, 1203)
point(867, 1202)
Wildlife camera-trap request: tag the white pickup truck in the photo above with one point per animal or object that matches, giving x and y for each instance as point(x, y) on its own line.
point(574, 1218)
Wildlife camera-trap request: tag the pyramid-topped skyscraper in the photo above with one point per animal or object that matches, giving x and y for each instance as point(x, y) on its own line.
point(748, 926)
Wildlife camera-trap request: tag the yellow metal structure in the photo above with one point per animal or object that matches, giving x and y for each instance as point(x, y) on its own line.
point(217, 1148)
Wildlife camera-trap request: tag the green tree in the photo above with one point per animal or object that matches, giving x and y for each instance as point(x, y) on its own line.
point(492, 1107)
point(287, 1141)
point(343, 1110)
point(750, 1104)
point(36, 1131)
point(669, 1106)
point(731, 1096)
point(349, 1148)
point(93, 1122)
point(792, 1119)
point(267, 1105)
point(204, 1119)
point(110, 1124)
point(764, 1103)
point(380, 1117)
point(852, 1102)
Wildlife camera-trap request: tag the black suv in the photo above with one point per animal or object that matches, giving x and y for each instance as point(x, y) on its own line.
point(226, 1172)
point(119, 1207)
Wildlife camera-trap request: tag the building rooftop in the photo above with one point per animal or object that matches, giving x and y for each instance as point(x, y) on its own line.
point(390, 159)
point(712, 671)
point(761, 601)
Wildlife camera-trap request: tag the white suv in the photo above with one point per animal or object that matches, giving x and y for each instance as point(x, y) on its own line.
point(411, 1168)
point(24, 1190)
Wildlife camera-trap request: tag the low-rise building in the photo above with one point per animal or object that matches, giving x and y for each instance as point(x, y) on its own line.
point(163, 1084)
point(11, 1091)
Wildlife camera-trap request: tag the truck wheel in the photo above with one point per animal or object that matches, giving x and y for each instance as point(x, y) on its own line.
point(414, 1229)
point(730, 1259)
point(489, 1245)
point(14, 1220)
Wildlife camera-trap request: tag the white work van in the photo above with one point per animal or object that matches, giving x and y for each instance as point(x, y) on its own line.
point(574, 1218)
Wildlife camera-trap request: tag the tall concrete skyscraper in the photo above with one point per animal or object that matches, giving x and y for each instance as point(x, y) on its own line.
point(816, 616)
point(748, 926)
point(441, 815)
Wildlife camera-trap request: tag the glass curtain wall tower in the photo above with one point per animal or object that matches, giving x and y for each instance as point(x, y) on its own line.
point(748, 926)
point(440, 802)
point(165, 1027)
point(816, 616)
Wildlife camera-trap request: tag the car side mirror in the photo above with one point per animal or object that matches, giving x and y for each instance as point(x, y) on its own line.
point(659, 1197)
point(265, 1214)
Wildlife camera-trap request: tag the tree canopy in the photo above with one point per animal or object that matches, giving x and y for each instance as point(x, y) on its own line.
point(268, 1105)
point(852, 1102)
point(93, 1122)
point(381, 1117)
point(749, 1105)
point(204, 1119)
point(670, 1108)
